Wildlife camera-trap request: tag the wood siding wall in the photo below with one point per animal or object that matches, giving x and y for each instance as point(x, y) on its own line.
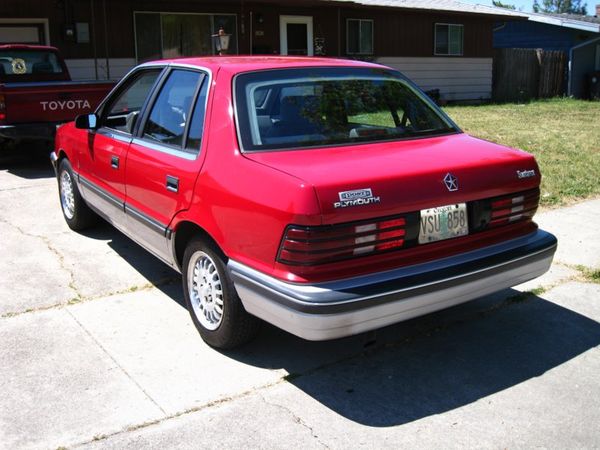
point(396, 32)
point(402, 38)
point(456, 78)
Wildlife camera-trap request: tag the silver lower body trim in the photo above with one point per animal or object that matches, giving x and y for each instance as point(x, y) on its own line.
point(347, 307)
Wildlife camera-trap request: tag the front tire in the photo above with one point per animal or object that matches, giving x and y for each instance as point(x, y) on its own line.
point(211, 299)
point(76, 212)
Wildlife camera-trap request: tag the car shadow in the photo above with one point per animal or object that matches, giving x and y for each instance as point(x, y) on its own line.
point(27, 165)
point(433, 364)
point(414, 369)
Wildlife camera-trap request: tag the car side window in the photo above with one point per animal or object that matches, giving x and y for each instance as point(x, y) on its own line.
point(171, 110)
point(196, 130)
point(124, 109)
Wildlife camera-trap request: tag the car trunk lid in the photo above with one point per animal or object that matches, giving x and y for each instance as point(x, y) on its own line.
point(361, 182)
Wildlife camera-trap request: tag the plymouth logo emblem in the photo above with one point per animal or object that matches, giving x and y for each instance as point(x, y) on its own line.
point(451, 182)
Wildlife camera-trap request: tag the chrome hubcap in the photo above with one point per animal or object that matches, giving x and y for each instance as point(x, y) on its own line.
point(67, 197)
point(206, 290)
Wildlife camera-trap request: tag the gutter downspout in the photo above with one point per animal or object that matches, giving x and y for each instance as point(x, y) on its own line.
point(93, 37)
point(571, 50)
point(106, 40)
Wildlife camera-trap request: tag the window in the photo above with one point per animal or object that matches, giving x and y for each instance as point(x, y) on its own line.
point(166, 35)
point(331, 106)
point(122, 111)
point(359, 37)
point(197, 125)
point(25, 65)
point(448, 39)
point(598, 57)
point(171, 110)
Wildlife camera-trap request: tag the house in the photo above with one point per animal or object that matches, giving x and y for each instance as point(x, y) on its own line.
point(444, 44)
point(578, 36)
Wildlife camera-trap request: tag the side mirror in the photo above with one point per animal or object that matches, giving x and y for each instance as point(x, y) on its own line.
point(86, 122)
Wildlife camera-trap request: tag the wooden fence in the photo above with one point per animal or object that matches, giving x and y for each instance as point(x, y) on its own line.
point(521, 74)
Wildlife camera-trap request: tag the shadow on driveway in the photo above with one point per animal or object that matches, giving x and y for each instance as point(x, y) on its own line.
point(28, 165)
point(452, 365)
point(415, 369)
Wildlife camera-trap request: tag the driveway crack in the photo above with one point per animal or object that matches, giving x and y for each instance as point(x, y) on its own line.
point(295, 418)
point(59, 256)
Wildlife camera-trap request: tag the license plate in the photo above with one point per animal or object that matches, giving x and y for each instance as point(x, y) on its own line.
point(443, 222)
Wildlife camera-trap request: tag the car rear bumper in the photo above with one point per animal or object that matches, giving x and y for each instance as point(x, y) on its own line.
point(343, 308)
point(29, 131)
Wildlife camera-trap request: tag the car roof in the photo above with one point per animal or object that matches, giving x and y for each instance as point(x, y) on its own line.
point(238, 64)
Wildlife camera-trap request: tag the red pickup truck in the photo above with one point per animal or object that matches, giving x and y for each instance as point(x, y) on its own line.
point(327, 197)
point(37, 94)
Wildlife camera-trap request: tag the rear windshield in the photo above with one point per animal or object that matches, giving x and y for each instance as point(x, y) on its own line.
point(299, 108)
point(24, 65)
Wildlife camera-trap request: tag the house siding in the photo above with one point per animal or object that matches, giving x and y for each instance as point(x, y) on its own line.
point(456, 78)
point(538, 35)
point(403, 35)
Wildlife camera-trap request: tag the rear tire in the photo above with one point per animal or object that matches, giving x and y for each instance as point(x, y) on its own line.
point(76, 212)
point(212, 300)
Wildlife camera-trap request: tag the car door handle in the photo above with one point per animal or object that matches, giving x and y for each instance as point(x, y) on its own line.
point(172, 183)
point(114, 162)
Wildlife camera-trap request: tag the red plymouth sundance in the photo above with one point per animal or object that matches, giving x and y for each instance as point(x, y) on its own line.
point(327, 197)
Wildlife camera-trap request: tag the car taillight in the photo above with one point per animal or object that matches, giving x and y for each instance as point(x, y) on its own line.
point(511, 208)
point(324, 244)
point(2, 108)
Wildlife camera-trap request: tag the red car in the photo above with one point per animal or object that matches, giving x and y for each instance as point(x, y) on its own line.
point(327, 197)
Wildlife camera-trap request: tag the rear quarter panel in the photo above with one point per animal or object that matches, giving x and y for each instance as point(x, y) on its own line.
point(243, 205)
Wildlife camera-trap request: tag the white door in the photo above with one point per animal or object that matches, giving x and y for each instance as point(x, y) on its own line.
point(296, 35)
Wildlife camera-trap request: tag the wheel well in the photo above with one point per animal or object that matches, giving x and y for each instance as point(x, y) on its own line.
point(60, 156)
point(185, 232)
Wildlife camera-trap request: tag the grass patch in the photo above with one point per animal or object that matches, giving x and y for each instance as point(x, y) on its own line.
point(563, 134)
point(591, 275)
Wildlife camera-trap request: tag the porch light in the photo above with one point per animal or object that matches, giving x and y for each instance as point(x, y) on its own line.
point(221, 40)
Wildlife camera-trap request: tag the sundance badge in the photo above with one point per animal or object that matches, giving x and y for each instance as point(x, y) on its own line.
point(525, 173)
point(358, 197)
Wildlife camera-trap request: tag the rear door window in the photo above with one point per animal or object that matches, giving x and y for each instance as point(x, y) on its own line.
point(170, 115)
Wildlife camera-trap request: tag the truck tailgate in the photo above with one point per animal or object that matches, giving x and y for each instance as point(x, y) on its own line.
point(51, 101)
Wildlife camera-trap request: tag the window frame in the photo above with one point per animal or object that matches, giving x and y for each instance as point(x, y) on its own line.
point(181, 150)
point(360, 21)
point(462, 43)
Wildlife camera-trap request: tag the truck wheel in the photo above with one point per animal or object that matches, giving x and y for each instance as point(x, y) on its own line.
point(211, 298)
point(76, 212)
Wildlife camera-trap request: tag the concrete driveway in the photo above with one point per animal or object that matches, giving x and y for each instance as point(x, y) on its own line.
point(97, 350)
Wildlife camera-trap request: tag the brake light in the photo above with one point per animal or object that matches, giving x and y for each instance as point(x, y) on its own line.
point(2, 108)
point(511, 208)
point(323, 244)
